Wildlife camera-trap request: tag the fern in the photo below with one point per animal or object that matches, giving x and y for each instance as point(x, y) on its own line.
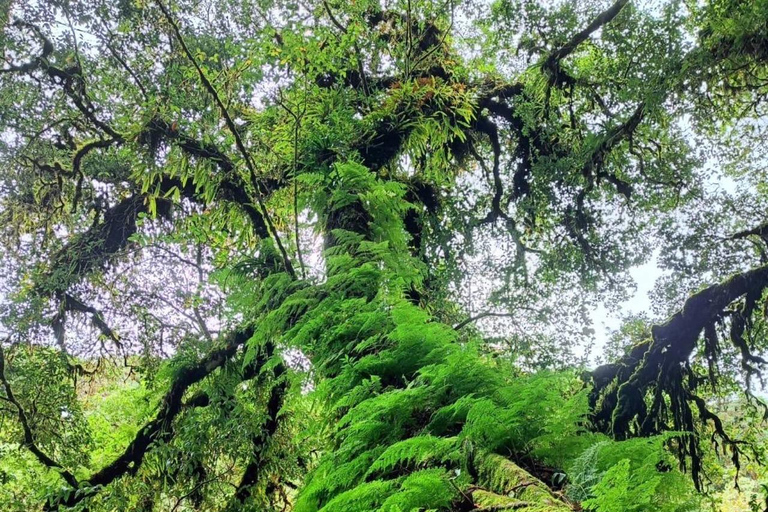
point(633, 475)
point(367, 496)
point(615, 491)
point(416, 411)
point(429, 489)
point(584, 474)
point(416, 452)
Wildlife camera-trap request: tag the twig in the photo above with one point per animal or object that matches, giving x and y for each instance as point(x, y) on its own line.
point(125, 66)
point(296, 127)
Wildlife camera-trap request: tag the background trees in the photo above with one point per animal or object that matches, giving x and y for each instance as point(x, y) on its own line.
point(327, 257)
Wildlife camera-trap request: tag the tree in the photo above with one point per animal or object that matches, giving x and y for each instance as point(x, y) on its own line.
point(236, 235)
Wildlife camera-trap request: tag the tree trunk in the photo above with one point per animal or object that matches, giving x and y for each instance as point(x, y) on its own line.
point(405, 395)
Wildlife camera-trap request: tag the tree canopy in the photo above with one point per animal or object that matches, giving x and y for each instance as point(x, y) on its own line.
point(344, 256)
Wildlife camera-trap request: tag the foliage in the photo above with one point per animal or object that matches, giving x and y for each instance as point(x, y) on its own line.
point(322, 257)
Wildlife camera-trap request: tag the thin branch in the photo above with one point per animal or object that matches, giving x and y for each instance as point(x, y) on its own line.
point(296, 127)
point(200, 281)
point(358, 53)
point(480, 316)
point(333, 18)
point(202, 484)
point(125, 66)
point(552, 63)
point(236, 134)
point(489, 128)
point(593, 168)
point(29, 438)
point(175, 255)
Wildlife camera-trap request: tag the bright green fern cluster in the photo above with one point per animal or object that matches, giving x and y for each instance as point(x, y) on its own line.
point(423, 420)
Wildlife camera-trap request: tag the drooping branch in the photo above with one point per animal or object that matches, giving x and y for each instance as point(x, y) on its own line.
point(97, 246)
point(660, 365)
point(72, 81)
point(125, 66)
point(231, 187)
point(93, 250)
point(530, 142)
point(675, 340)
point(487, 127)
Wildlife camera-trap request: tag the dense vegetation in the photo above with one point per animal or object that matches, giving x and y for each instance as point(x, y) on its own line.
point(343, 256)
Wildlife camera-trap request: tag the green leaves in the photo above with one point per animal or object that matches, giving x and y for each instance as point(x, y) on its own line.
point(614, 491)
point(347, 181)
point(632, 475)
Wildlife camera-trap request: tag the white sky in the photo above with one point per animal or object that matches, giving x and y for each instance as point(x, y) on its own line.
point(608, 319)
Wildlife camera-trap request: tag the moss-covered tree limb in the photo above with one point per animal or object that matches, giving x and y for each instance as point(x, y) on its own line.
point(45, 51)
point(659, 367)
point(72, 81)
point(159, 429)
point(510, 487)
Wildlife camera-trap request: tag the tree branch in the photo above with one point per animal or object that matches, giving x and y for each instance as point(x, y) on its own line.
point(29, 438)
point(661, 364)
point(253, 471)
point(233, 129)
point(552, 63)
point(480, 316)
point(45, 51)
point(159, 429)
